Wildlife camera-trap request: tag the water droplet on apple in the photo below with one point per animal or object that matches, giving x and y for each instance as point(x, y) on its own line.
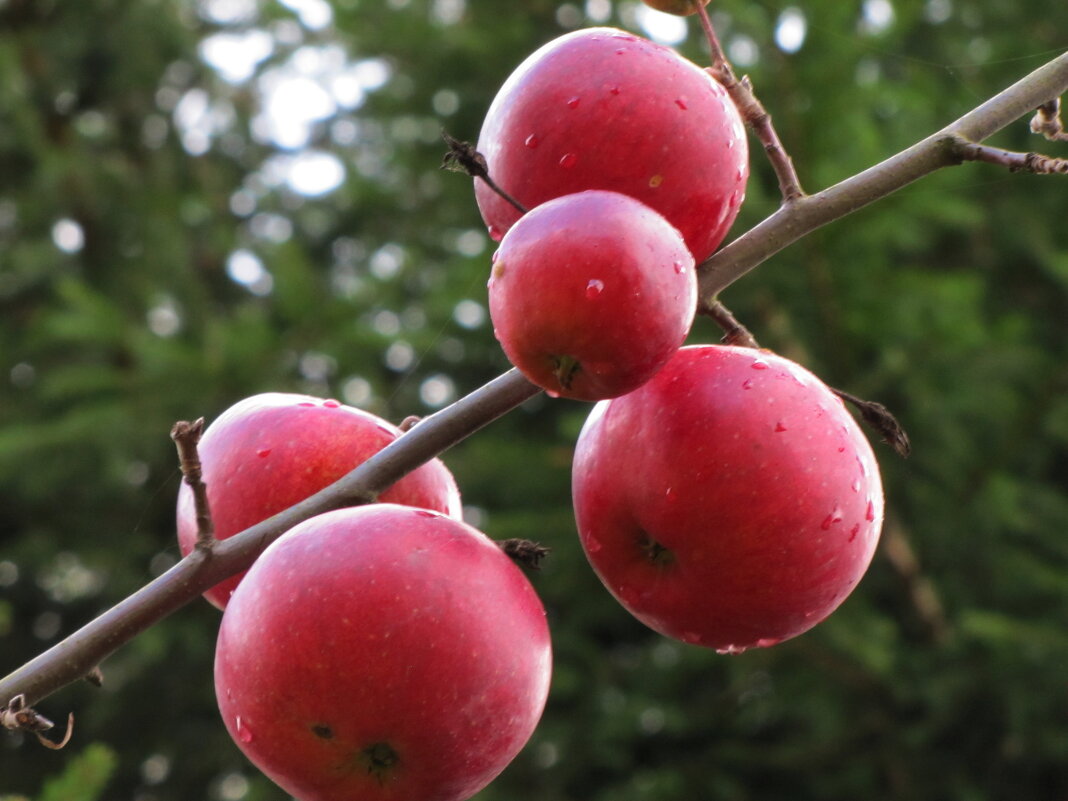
point(747, 384)
point(593, 545)
point(841, 448)
point(531, 141)
point(425, 513)
point(494, 233)
point(732, 649)
point(869, 515)
point(780, 427)
point(680, 268)
point(670, 495)
point(244, 734)
point(834, 517)
point(855, 486)
point(759, 364)
point(613, 90)
point(854, 531)
point(594, 288)
point(690, 637)
point(263, 453)
point(767, 642)
point(574, 102)
point(331, 403)
point(739, 175)
point(620, 51)
point(552, 393)
point(681, 103)
point(495, 256)
point(305, 403)
point(568, 160)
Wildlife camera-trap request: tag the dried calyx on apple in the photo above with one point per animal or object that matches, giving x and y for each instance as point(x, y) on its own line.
point(681, 8)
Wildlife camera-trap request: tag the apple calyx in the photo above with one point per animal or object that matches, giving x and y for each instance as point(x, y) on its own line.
point(564, 369)
point(379, 759)
point(656, 553)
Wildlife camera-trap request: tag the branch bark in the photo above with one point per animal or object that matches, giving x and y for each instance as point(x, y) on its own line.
point(941, 149)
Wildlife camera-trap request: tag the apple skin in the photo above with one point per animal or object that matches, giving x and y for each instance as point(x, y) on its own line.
point(730, 502)
point(591, 293)
point(680, 8)
point(604, 109)
point(382, 653)
point(270, 451)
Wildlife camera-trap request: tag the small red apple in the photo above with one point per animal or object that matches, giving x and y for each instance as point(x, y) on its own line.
point(730, 502)
point(270, 451)
point(382, 653)
point(680, 8)
point(604, 109)
point(591, 293)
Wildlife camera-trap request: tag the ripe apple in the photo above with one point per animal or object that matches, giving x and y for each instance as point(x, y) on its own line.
point(270, 451)
point(681, 8)
point(604, 109)
point(382, 652)
point(730, 502)
point(591, 293)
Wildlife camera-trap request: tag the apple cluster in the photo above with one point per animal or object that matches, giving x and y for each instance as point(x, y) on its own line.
point(724, 495)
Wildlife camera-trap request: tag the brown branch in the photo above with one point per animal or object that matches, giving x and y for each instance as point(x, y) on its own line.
point(1015, 162)
point(794, 220)
point(76, 655)
point(1047, 121)
point(752, 111)
point(734, 333)
point(186, 435)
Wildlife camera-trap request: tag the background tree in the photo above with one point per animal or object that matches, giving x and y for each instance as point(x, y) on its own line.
point(203, 201)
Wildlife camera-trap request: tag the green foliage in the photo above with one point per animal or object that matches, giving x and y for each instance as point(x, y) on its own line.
point(118, 316)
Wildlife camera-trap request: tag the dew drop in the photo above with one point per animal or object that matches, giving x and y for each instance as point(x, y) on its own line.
point(244, 734)
point(739, 175)
point(331, 403)
point(870, 514)
point(305, 403)
point(594, 288)
point(681, 103)
point(747, 384)
point(495, 233)
point(614, 90)
point(841, 448)
point(767, 642)
point(592, 545)
point(759, 364)
point(568, 160)
point(552, 393)
point(855, 486)
point(263, 453)
point(425, 513)
point(574, 102)
point(732, 649)
point(780, 427)
point(690, 637)
point(854, 531)
point(531, 141)
point(620, 51)
point(834, 517)
point(680, 268)
point(670, 495)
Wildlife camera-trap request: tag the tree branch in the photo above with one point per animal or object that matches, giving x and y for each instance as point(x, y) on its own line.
point(74, 657)
point(942, 149)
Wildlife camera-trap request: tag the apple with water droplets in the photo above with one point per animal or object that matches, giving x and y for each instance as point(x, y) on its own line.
point(680, 8)
point(273, 450)
point(591, 293)
point(604, 109)
point(382, 653)
point(730, 502)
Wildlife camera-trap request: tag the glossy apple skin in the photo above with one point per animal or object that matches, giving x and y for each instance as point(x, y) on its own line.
point(730, 502)
point(680, 8)
point(604, 109)
point(270, 451)
point(382, 629)
point(591, 293)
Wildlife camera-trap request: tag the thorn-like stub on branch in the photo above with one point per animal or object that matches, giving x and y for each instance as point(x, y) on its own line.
point(17, 716)
point(879, 418)
point(525, 553)
point(1047, 121)
point(462, 157)
point(95, 677)
point(409, 422)
point(186, 436)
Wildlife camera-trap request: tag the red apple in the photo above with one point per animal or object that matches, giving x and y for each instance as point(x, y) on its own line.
point(680, 8)
point(382, 652)
point(604, 109)
point(270, 451)
point(730, 502)
point(591, 293)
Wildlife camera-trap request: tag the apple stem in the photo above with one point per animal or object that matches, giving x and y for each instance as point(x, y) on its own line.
point(734, 333)
point(752, 111)
point(186, 435)
point(462, 157)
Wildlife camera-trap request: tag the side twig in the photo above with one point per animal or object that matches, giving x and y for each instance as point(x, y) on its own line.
point(186, 436)
point(1015, 162)
point(1047, 121)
